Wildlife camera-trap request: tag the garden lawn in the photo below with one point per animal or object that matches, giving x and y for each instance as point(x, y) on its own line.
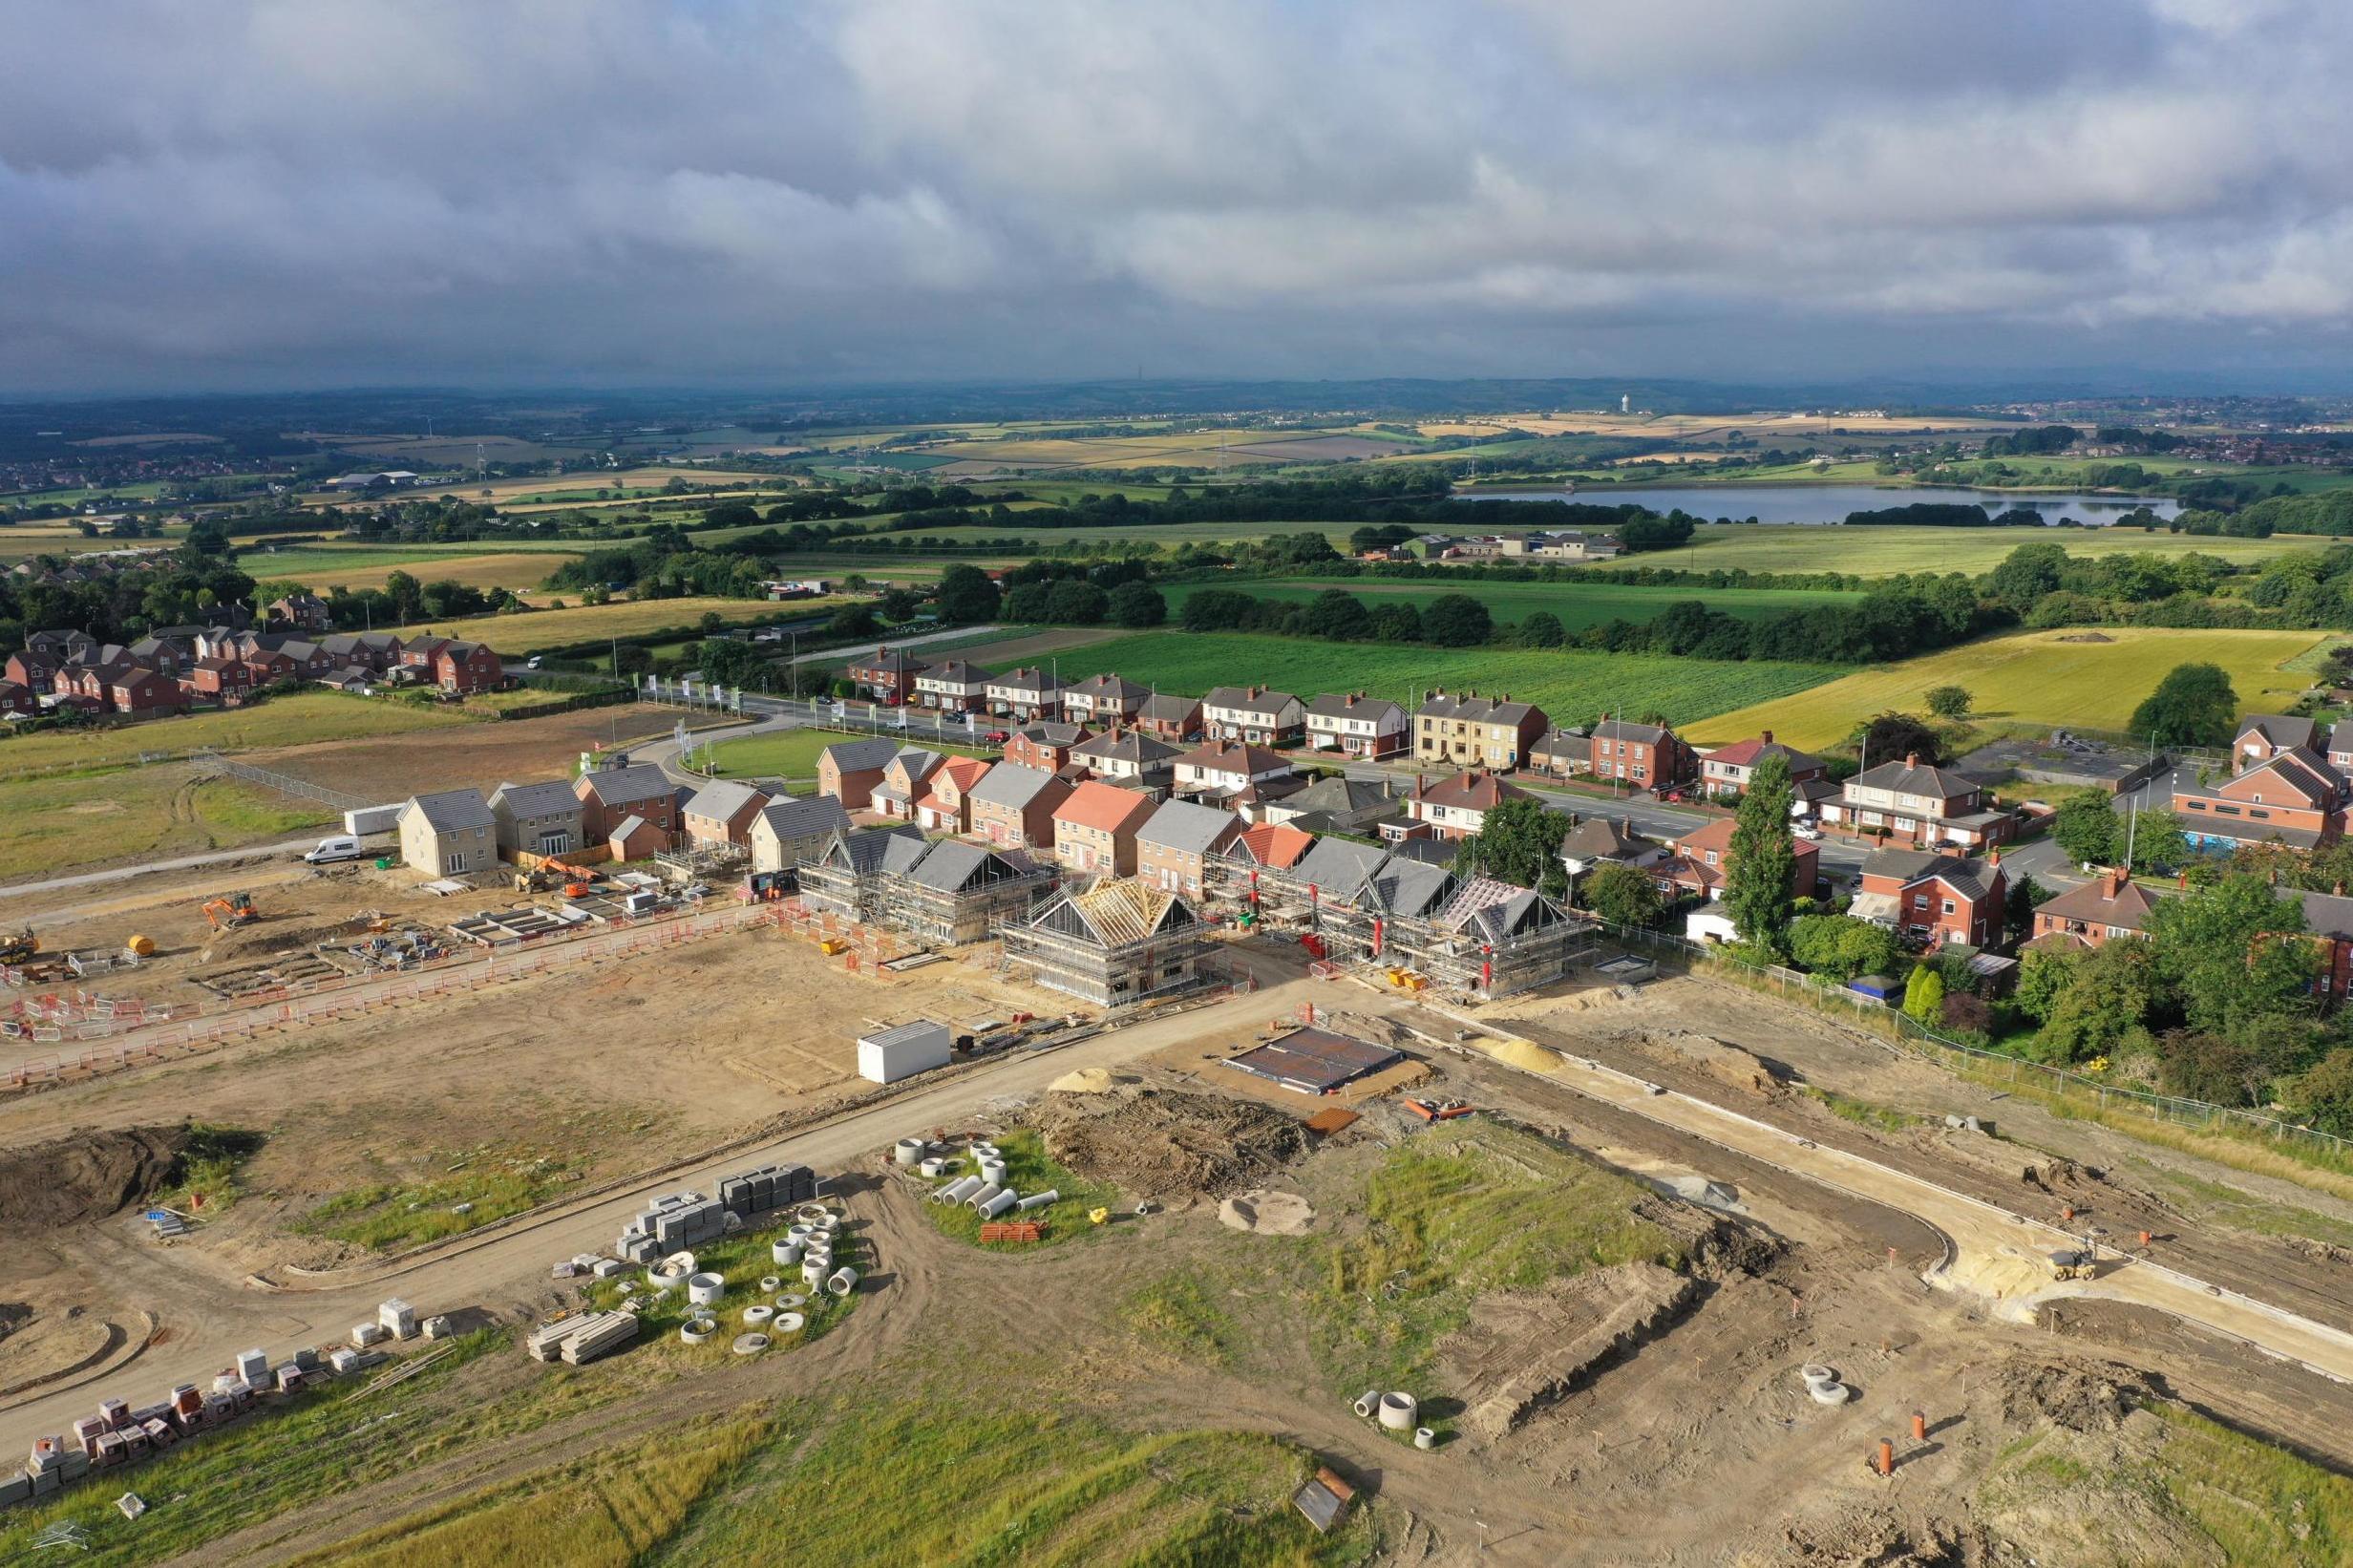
point(1571, 688)
point(1578, 605)
point(2033, 680)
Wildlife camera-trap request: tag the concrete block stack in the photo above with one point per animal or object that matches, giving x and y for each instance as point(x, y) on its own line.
point(768, 1187)
point(578, 1341)
point(396, 1318)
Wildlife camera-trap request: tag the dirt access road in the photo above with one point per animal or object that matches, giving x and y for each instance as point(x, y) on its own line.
point(505, 1268)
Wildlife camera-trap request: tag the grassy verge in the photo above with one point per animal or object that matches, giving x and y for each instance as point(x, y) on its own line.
point(290, 1452)
point(63, 822)
point(1026, 1169)
point(282, 721)
point(1008, 1480)
point(1879, 1118)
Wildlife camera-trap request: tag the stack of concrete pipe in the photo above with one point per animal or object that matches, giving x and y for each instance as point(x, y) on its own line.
point(1822, 1383)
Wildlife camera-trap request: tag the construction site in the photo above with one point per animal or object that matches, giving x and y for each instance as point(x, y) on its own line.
point(1446, 1234)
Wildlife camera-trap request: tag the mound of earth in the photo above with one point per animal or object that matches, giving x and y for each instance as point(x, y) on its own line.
point(2076, 1397)
point(2082, 1497)
point(1727, 1063)
point(2085, 637)
point(1858, 1535)
point(265, 938)
point(1267, 1214)
point(88, 1176)
point(1169, 1146)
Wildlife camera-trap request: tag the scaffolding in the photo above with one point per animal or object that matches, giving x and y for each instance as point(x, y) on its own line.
point(1116, 944)
point(951, 892)
point(1475, 936)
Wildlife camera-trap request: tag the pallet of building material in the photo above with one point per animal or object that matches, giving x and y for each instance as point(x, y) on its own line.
point(1028, 1230)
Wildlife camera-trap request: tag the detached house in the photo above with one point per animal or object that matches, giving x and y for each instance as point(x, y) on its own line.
point(299, 612)
point(1455, 807)
point(223, 681)
point(144, 693)
point(848, 771)
point(1355, 725)
point(540, 818)
point(1932, 899)
point(2263, 737)
point(1104, 699)
point(1601, 840)
point(794, 830)
point(1469, 731)
point(463, 667)
point(2292, 796)
point(448, 834)
point(1096, 827)
point(1642, 756)
point(1254, 715)
point(610, 796)
point(1915, 804)
point(1700, 864)
point(953, 685)
point(1013, 806)
point(1173, 850)
point(719, 816)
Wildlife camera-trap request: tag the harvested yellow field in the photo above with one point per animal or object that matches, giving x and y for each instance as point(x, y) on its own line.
point(586, 622)
point(2032, 680)
point(516, 569)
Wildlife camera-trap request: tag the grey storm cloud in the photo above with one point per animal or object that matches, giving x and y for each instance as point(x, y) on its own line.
point(333, 191)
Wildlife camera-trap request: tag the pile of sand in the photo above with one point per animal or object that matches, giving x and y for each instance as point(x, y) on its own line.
point(1520, 1053)
point(1169, 1146)
point(1087, 1080)
point(87, 1178)
point(1267, 1214)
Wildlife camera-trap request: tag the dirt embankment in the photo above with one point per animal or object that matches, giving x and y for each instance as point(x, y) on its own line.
point(87, 1178)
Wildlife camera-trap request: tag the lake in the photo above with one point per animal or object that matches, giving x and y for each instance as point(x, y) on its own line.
point(1832, 502)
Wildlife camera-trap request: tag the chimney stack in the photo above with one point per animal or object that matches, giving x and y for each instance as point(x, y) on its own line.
point(1911, 759)
point(1769, 738)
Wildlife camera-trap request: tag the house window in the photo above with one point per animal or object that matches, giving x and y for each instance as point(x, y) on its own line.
point(1948, 907)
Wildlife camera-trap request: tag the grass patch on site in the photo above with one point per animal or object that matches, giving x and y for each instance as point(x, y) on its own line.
point(210, 1168)
point(282, 721)
point(1578, 605)
point(743, 1260)
point(1026, 1169)
point(1570, 686)
point(288, 1452)
point(1006, 1479)
point(1879, 1118)
point(60, 824)
point(2223, 1204)
point(2258, 1504)
point(792, 755)
point(609, 1509)
point(2028, 681)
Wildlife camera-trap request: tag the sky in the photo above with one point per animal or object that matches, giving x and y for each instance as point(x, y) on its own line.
point(259, 195)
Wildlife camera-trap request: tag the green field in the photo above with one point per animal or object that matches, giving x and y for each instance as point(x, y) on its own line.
point(1884, 552)
point(1578, 605)
point(2033, 680)
point(1571, 688)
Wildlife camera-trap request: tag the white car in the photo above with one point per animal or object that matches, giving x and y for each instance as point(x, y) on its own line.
point(1808, 832)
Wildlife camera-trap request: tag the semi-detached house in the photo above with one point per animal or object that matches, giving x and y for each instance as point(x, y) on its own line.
point(1356, 725)
point(1914, 803)
point(1254, 715)
point(1642, 756)
point(1173, 850)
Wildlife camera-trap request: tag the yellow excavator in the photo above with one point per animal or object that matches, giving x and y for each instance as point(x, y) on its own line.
point(16, 946)
point(229, 910)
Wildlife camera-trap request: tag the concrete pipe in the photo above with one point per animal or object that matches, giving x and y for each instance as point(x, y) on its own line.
point(1813, 1372)
point(1367, 1403)
point(960, 1189)
point(785, 1254)
point(997, 1205)
point(982, 1196)
point(813, 1273)
point(1828, 1393)
point(993, 1170)
point(695, 1330)
point(754, 1316)
point(934, 1167)
point(830, 1224)
point(984, 1150)
point(788, 1322)
point(1039, 1201)
point(705, 1290)
point(843, 1281)
point(1425, 1438)
point(751, 1344)
point(769, 1284)
point(1397, 1412)
point(908, 1151)
point(811, 1213)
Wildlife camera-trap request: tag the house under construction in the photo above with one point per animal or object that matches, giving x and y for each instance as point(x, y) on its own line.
point(1474, 935)
point(948, 892)
point(1116, 944)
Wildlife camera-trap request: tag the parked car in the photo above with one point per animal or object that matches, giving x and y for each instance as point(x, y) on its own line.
point(1808, 832)
point(532, 663)
point(342, 847)
point(997, 737)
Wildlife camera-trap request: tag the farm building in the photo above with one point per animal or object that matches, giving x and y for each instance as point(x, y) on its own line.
point(1116, 944)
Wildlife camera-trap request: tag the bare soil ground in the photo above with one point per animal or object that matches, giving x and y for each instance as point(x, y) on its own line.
point(483, 755)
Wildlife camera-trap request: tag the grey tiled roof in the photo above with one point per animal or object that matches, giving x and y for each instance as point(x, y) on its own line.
point(552, 797)
point(450, 810)
point(1188, 829)
point(797, 817)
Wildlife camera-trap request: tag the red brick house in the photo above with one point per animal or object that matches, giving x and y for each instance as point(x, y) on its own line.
point(887, 674)
point(2109, 907)
point(224, 681)
point(1909, 802)
point(947, 806)
point(421, 654)
point(1046, 744)
point(609, 797)
point(299, 612)
point(18, 700)
point(1642, 756)
point(2263, 737)
point(850, 771)
point(1700, 864)
point(1177, 720)
point(27, 670)
point(1096, 827)
point(1457, 807)
point(719, 816)
point(144, 693)
point(1726, 769)
point(1932, 899)
point(1013, 806)
point(464, 667)
point(2292, 796)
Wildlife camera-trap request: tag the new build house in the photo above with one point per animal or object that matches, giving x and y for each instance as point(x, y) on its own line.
point(906, 778)
point(1464, 729)
point(946, 804)
point(1096, 827)
point(609, 797)
point(1910, 802)
point(1254, 715)
point(719, 816)
point(539, 819)
point(1173, 850)
point(1013, 806)
point(850, 769)
point(448, 834)
point(792, 830)
point(1355, 725)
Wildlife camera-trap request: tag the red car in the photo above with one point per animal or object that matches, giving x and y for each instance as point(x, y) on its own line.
point(996, 737)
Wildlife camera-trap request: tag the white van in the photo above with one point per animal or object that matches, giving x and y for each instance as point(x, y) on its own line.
point(341, 847)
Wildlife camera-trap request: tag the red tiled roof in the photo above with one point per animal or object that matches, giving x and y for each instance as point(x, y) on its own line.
point(1107, 807)
point(1277, 845)
point(1475, 791)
